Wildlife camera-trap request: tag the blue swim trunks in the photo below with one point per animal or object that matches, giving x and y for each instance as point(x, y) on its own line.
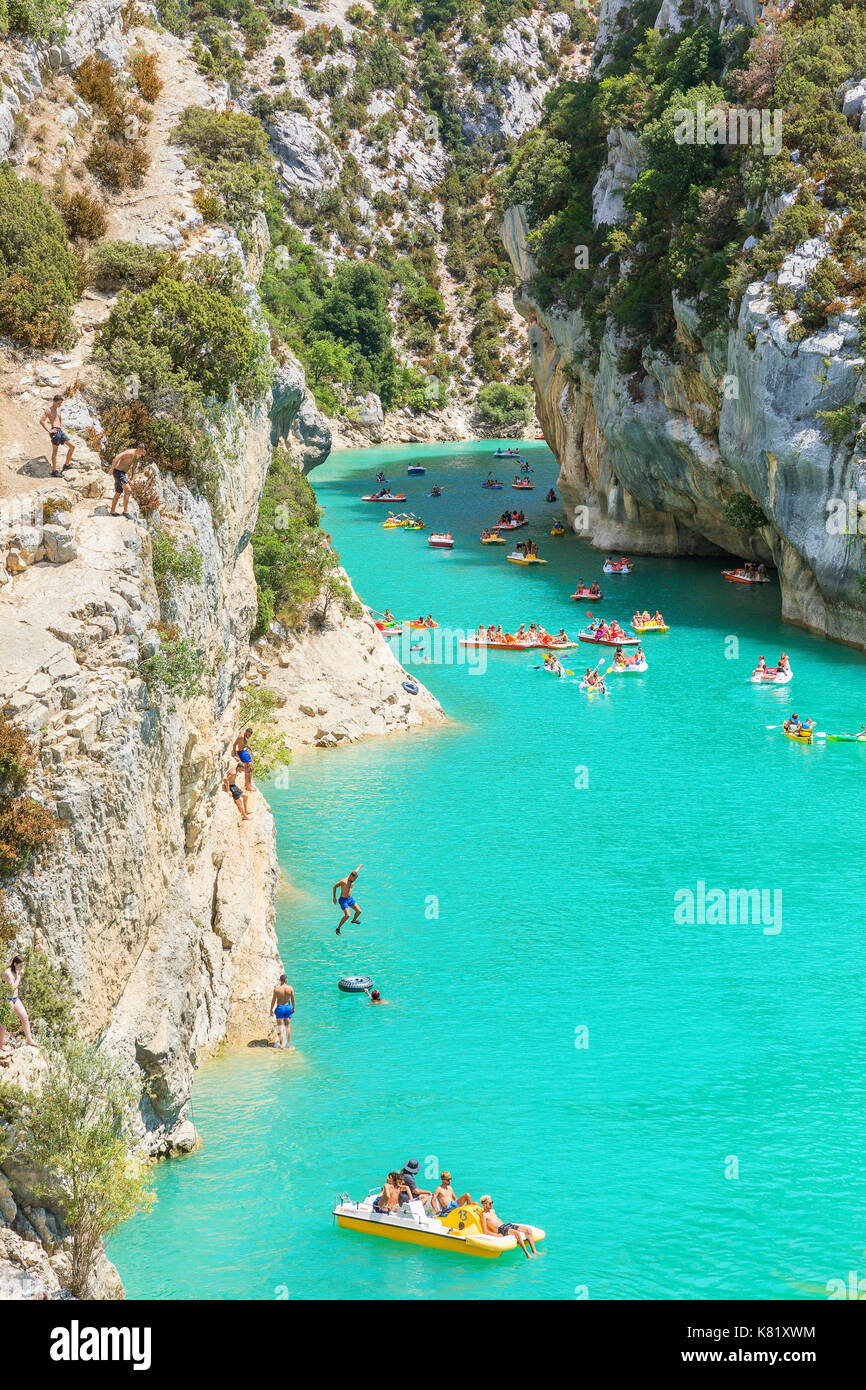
point(283, 1011)
point(347, 902)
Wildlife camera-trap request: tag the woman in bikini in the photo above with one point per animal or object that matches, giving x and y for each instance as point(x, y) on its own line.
point(12, 979)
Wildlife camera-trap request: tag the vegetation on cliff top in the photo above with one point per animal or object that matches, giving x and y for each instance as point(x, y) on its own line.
point(40, 278)
point(693, 205)
point(173, 353)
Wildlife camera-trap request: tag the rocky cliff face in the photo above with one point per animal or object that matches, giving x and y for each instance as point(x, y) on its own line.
point(156, 896)
point(649, 457)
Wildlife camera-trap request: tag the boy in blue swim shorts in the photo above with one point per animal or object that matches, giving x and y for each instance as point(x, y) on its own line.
point(282, 1008)
point(344, 886)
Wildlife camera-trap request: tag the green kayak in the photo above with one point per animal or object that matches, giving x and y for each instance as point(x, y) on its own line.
point(846, 738)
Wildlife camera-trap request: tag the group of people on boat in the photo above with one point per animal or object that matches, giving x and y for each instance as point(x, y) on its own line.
point(528, 549)
point(620, 564)
point(594, 590)
point(644, 620)
point(401, 1188)
point(636, 658)
point(490, 481)
point(511, 519)
point(795, 725)
point(609, 632)
point(534, 634)
point(780, 668)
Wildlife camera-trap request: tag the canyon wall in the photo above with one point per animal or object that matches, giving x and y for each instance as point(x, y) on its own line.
point(648, 458)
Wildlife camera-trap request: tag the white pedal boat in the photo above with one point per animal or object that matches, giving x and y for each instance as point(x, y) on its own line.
point(460, 1230)
point(633, 668)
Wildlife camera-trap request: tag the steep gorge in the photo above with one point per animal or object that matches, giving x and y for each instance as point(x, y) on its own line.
point(659, 412)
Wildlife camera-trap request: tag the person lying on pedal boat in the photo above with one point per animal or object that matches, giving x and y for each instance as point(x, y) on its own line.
point(494, 1227)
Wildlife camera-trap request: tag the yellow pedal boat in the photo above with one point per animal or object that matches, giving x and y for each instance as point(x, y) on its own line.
point(802, 735)
point(649, 627)
point(460, 1230)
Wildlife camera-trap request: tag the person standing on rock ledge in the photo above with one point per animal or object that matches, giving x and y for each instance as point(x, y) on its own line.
point(239, 797)
point(52, 422)
point(347, 902)
point(123, 467)
point(241, 750)
point(12, 979)
point(282, 1008)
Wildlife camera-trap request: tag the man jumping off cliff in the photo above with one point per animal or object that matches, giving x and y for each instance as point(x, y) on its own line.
point(347, 902)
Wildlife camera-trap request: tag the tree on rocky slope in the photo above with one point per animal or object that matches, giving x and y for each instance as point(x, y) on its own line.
point(79, 1130)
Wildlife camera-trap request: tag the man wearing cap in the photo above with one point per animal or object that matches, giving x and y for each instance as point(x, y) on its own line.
point(444, 1200)
point(411, 1169)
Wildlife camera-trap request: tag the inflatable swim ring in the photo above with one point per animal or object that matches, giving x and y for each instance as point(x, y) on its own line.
point(411, 686)
point(354, 984)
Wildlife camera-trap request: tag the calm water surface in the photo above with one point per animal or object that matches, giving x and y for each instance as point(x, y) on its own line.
point(550, 833)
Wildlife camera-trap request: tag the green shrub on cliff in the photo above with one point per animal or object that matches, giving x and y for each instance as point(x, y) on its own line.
point(40, 19)
point(46, 992)
point(294, 564)
point(175, 668)
point(175, 352)
point(230, 152)
point(501, 403)
point(268, 742)
point(742, 511)
point(39, 275)
point(180, 563)
point(80, 1132)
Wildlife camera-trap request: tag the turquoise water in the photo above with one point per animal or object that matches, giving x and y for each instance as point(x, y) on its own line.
point(709, 1046)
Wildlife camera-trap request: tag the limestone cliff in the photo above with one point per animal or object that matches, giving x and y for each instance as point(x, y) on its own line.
point(156, 896)
point(653, 440)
